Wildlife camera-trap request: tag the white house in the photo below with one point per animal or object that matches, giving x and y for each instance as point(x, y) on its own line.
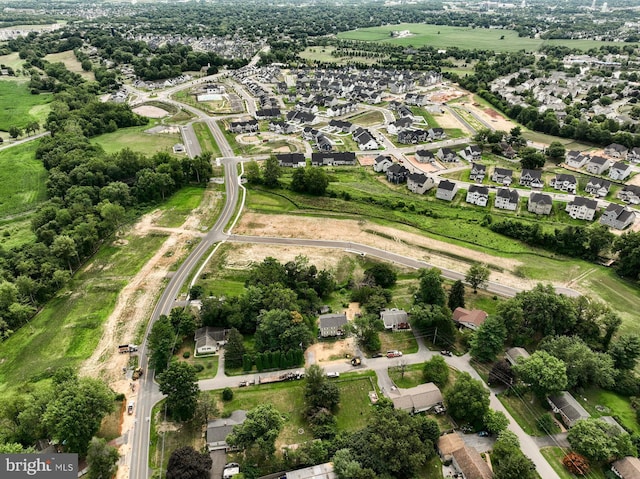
point(582, 208)
point(507, 199)
point(420, 183)
point(617, 216)
point(446, 190)
point(619, 171)
point(478, 195)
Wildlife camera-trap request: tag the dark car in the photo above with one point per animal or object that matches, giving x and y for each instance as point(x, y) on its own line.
point(377, 355)
point(445, 352)
point(483, 434)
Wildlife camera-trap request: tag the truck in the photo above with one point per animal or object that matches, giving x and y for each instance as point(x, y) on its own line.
point(137, 373)
point(127, 348)
point(292, 376)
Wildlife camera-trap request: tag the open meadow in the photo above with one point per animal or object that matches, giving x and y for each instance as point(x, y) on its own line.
point(136, 138)
point(23, 108)
point(71, 63)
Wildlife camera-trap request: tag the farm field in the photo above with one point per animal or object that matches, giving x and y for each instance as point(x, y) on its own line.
point(71, 63)
point(22, 179)
point(137, 139)
point(442, 36)
point(323, 54)
point(23, 108)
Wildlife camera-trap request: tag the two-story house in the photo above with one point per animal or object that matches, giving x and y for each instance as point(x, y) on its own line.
point(576, 159)
point(291, 160)
point(397, 173)
point(615, 150)
point(420, 183)
point(342, 158)
point(582, 208)
point(619, 171)
point(478, 195)
point(564, 182)
point(507, 199)
point(471, 153)
point(617, 216)
point(478, 172)
point(630, 194)
point(425, 156)
point(503, 176)
point(634, 155)
point(382, 163)
point(597, 165)
point(540, 204)
point(447, 155)
point(597, 187)
point(446, 190)
point(531, 178)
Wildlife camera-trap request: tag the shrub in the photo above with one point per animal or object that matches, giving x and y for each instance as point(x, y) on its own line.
point(227, 394)
point(198, 367)
point(186, 354)
point(576, 464)
point(546, 424)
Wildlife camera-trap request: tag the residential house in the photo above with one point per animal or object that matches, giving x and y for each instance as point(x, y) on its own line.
point(478, 172)
point(415, 99)
point(512, 355)
point(619, 171)
point(575, 159)
point(626, 468)
point(471, 153)
point(630, 194)
point(397, 173)
point(447, 155)
point(405, 112)
point(471, 319)
point(597, 165)
point(281, 127)
point(598, 187)
point(446, 190)
point(364, 139)
point(507, 199)
point(420, 183)
point(382, 163)
point(341, 126)
point(395, 319)
point(564, 182)
point(343, 158)
point(320, 471)
point(540, 204)
point(412, 137)
point(478, 195)
point(582, 208)
point(616, 150)
point(437, 134)
point(466, 460)
point(208, 339)
point(503, 176)
point(634, 155)
point(219, 429)
point(249, 126)
point(617, 216)
point(268, 113)
point(331, 324)
point(418, 399)
point(323, 143)
point(507, 150)
point(569, 409)
point(291, 160)
point(300, 117)
point(399, 125)
point(531, 178)
point(425, 156)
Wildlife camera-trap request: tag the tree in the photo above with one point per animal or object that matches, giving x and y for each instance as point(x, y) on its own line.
point(367, 327)
point(227, 394)
point(576, 464)
point(456, 296)
point(279, 329)
point(477, 276)
point(64, 248)
point(102, 459)
point(430, 290)
point(489, 339)
point(299, 180)
point(15, 132)
point(252, 172)
point(501, 374)
point(495, 421)
point(234, 349)
point(180, 384)
point(468, 400)
point(316, 180)
point(508, 460)
point(271, 172)
point(625, 351)
point(434, 321)
point(600, 441)
point(319, 392)
point(628, 248)
point(436, 371)
point(187, 463)
point(545, 373)
point(381, 274)
point(161, 342)
point(530, 158)
point(260, 430)
point(556, 151)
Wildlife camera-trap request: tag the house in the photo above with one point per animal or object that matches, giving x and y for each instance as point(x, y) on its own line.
point(630, 194)
point(331, 324)
point(531, 178)
point(478, 172)
point(248, 126)
point(341, 126)
point(634, 155)
point(219, 429)
point(299, 117)
point(619, 171)
point(382, 163)
point(575, 159)
point(617, 216)
point(597, 165)
point(569, 409)
point(512, 355)
point(564, 182)
point(425, 156)
point(471, 153)
point(503, 176)
point(616, 150)
point(471, 319)
point(343, 158)
point(267, 113)
point(582, 208)
point(446, 190)
point(364, 139)
point(507, 150)
point(323, 144)
point(507, 199)
point(436, 134)
point(418, 399)
point(397, 173)
point(394, 319)
point(626, 468)
point(540, 204)
point(478, 195)
point(465, 459)
point(411, 137)
point(320, 471)
point(291, 160)
point(420, 183)
point(208, 340)
point(399, 125)
point(447, 155)
point(597, 187)
point(281, 127)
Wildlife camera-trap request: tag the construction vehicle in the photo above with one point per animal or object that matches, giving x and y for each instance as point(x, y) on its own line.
point(137, 373)
point(127, 348)
point(356, 361)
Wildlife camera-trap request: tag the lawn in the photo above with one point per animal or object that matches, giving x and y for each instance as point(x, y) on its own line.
point(16, 232)
point(66, 331)
point(209, 363)
point(355, 407)
point(323, 54)
point(136, 139)
point(206, 139)
point(12, 60)
point(615, 404)
point(525, 409)
point(176, 209)
point(554, 456)
point(441, 36)
point(20, 107)
point(403, 341)
point(412, 376)
point(432, 469)
point(22, 179)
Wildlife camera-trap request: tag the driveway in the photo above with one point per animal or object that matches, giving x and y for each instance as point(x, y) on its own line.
point(219, 459)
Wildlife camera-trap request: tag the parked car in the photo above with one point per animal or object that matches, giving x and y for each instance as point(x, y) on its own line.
point(483, 434)
point(333, 374)
point(394, 354)
point(445, 352)
point(130, 408)
point(243, 384)
point(377, 355)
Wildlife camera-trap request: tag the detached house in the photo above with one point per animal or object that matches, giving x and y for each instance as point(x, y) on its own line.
point(397, 173)
point(447, 155)
point(507, 150)
point(507, 199)
point(531, 178)
point(465, 459)
point(411, 137)
point(598, 165)
point(291, 160)
point(248, 126)
point(437, 134)
point(582, 208)
point(399, 125)
point(630, 194)
point(382, 163)
point(619, 171)
point(446, 190)
point(627, 467)
point(575, 159)
point(471, 319)
point(418, 399)
point(478, 172)
point(617, 216)
point(502, 176)
point(394, 319)
point(471, 153)
point(569, 409)
point(425, 156)
point(540, 204)
point(564, 182)
point(634, 155)
point(420, 183)
point(331, 325)
point(598, 187)
point(616, 150)
point(344, 158)
point(364, 139)
point(478, 195)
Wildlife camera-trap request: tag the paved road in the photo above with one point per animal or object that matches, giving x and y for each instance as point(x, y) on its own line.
point(191, 143)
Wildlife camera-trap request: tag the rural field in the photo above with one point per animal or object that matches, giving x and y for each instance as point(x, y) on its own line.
point(71, 63)
point(442, 36)
point(138, 139)
point(24, 108)
point(22, 179)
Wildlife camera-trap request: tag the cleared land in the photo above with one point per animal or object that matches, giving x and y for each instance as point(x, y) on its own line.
point(12, 60)
point(138, 139)
point(71, 63)
point(442, 36)
point(19, 106)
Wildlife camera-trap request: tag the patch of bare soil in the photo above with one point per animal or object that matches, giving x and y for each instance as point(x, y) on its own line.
point(489, 115)
point(150, 111)
point(332, 351)
point(366, 160)
point(447, 120)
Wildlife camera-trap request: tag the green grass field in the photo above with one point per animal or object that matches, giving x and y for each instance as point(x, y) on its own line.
point(206, 139)
point(71, 63)
point(176, 209)
point(412, 376)
point(137, 140)
point(69, 327)
point(442, 36)
point(615, 404)
point(22, 179)
point(19, 106)
point(12, 60)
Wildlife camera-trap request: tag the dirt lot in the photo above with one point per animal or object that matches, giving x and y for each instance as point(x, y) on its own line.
point(497, 120)
point(150, 111)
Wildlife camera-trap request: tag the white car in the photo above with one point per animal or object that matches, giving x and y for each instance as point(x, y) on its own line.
point(333, 374)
